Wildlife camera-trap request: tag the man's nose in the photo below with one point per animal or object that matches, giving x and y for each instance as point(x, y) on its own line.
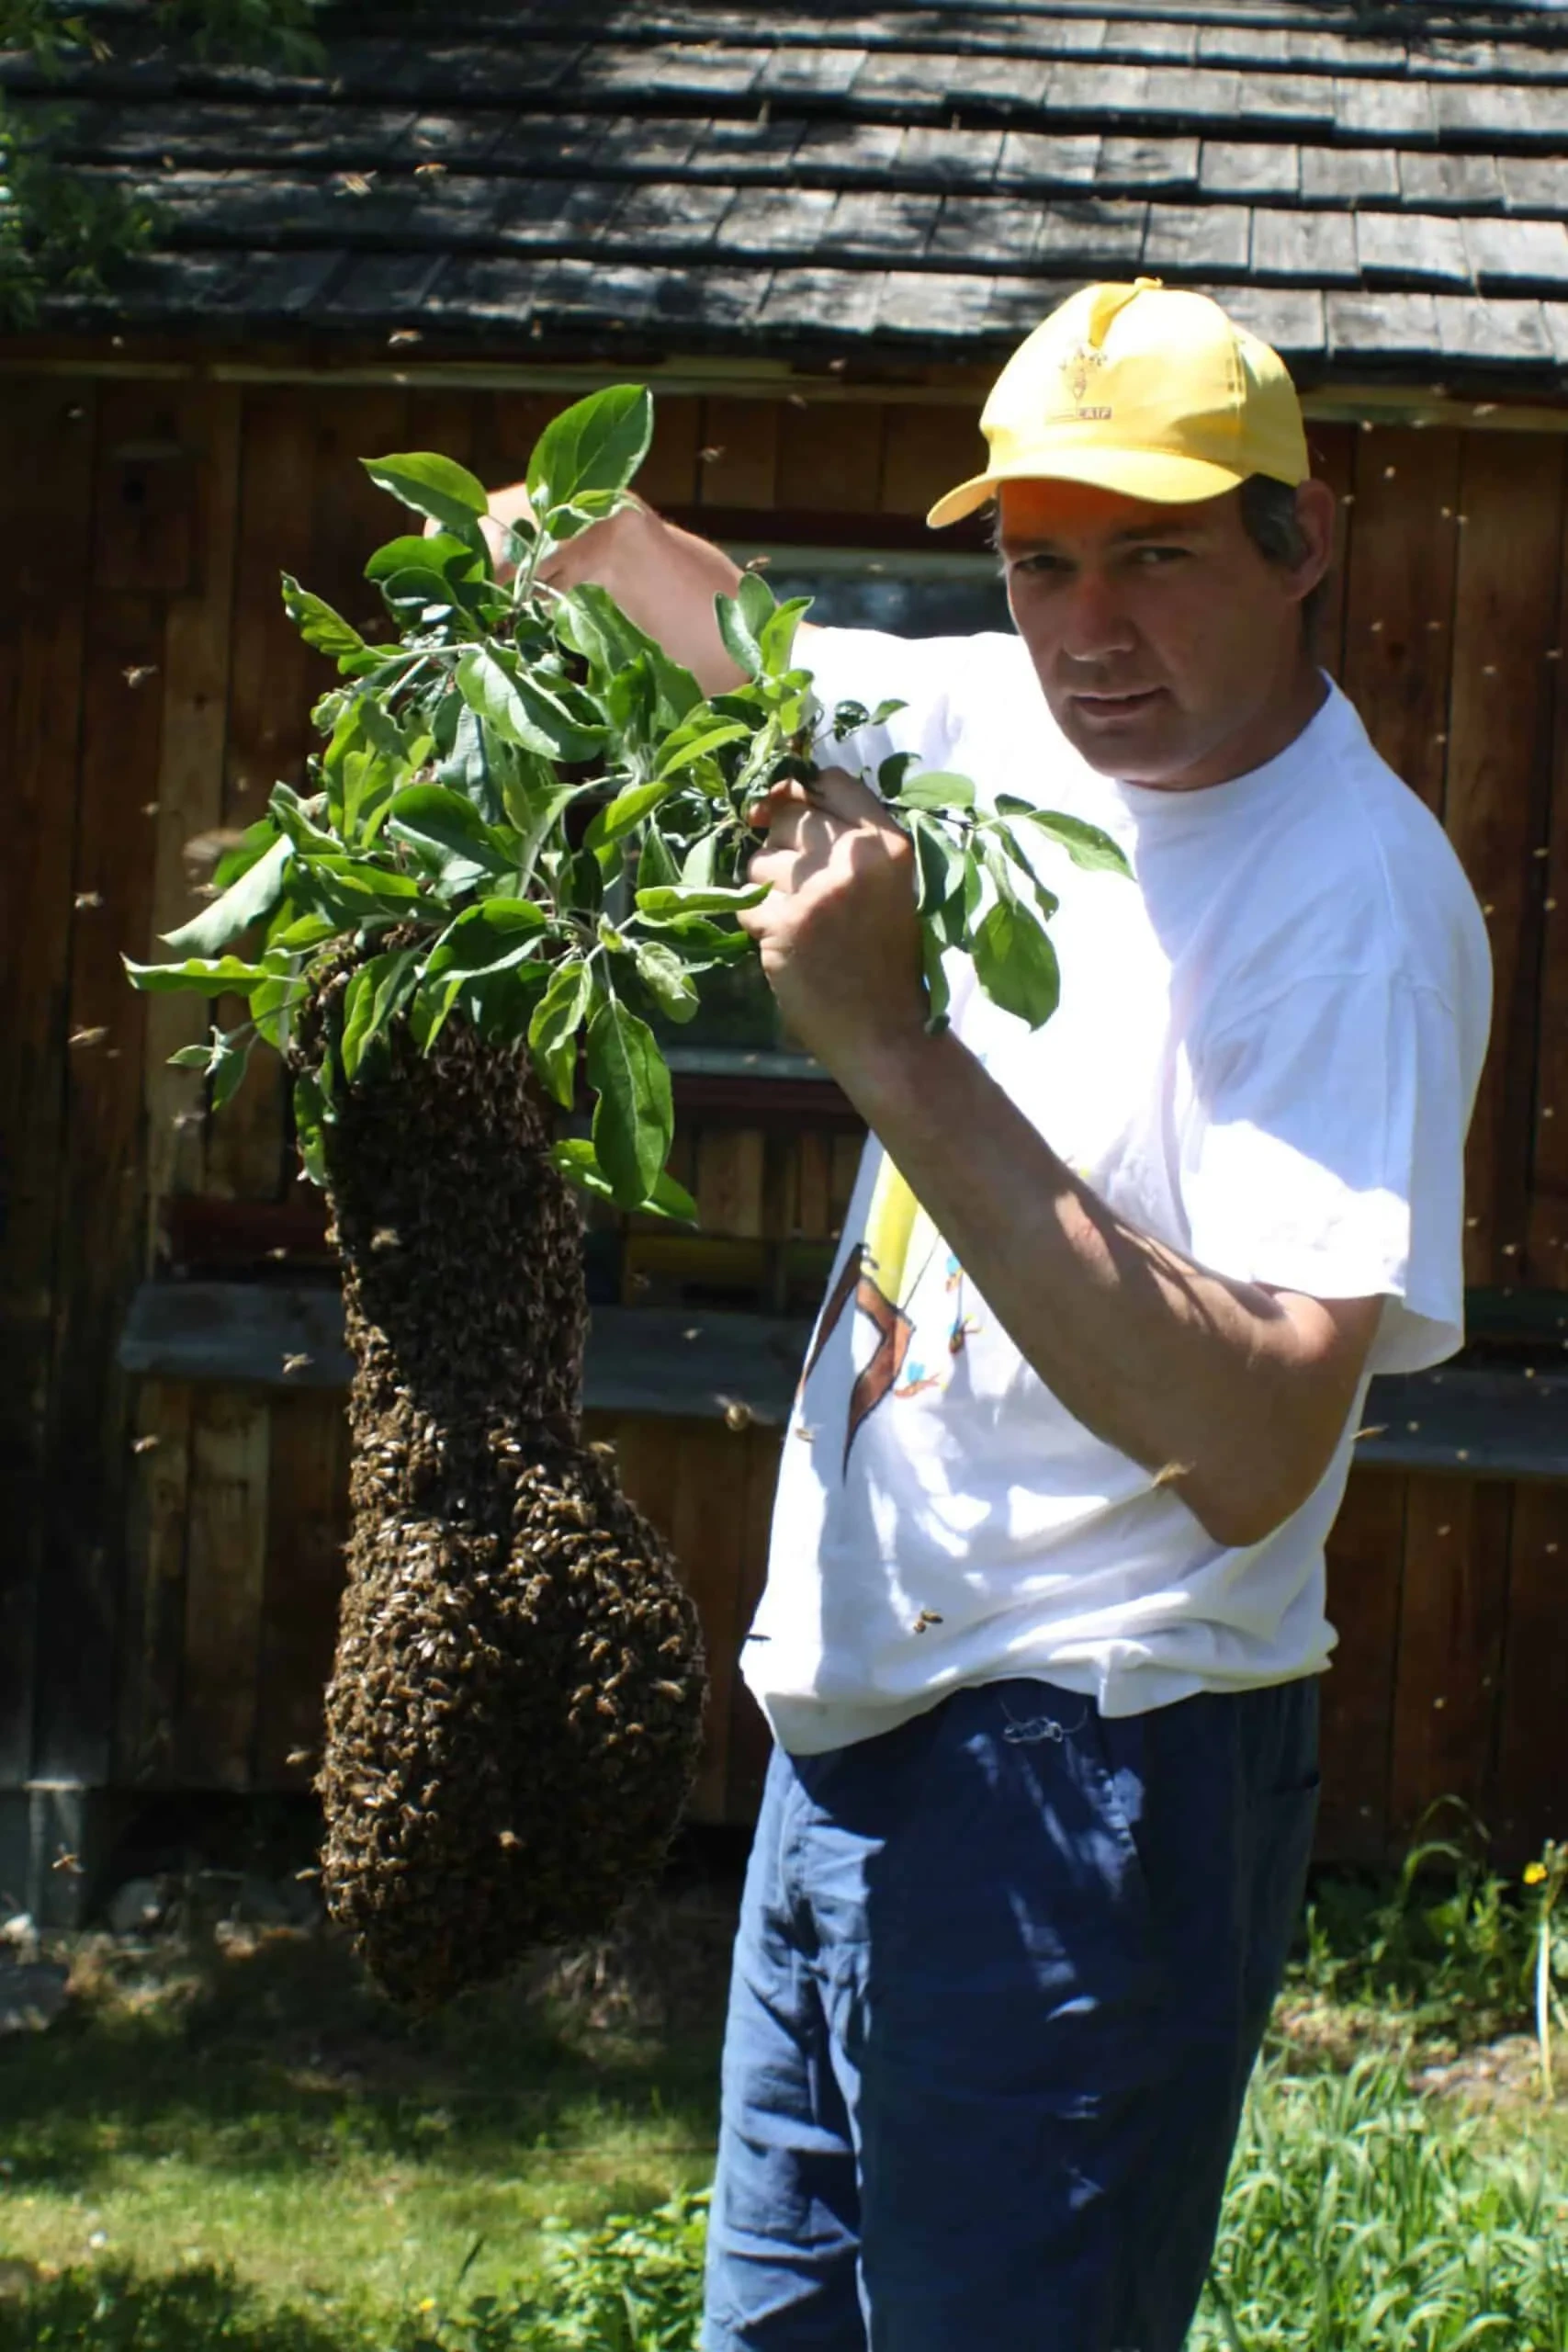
point(1096, 624)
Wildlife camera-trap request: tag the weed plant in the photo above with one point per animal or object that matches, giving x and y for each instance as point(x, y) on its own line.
point(1449, 1952)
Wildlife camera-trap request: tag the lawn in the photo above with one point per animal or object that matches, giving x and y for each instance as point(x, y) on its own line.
point(228, 2139)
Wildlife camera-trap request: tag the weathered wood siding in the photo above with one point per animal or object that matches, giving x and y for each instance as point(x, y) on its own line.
point(168, 1588)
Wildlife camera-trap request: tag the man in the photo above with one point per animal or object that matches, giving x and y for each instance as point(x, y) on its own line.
point(1045, 1601)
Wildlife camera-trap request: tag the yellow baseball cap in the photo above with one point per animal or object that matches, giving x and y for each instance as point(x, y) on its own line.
point(1140, 389)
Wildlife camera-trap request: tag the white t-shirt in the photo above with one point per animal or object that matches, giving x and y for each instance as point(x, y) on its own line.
point(1266, 1053)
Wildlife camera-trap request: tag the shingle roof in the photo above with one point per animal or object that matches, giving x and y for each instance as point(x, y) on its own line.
point(1369, 185)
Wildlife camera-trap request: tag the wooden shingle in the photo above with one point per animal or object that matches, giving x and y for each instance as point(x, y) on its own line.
point(633, 165)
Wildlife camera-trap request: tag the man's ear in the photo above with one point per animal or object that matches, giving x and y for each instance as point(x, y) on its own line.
point(1317, 515)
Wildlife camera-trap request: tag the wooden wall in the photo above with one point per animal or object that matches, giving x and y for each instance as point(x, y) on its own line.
point(167, 1595)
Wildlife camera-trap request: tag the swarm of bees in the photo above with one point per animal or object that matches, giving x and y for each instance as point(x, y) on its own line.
point(515, 1708)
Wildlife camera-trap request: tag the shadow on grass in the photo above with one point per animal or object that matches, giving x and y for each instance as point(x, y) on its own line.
point(273, 2053)
point(113, 2308)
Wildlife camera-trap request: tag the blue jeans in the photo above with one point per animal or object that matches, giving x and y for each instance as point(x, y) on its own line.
point(1000, 1978)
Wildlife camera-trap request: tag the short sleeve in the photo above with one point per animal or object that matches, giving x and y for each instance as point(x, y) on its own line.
point(1325, 1153)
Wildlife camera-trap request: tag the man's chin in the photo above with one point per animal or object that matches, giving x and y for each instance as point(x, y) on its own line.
point(1137, 746)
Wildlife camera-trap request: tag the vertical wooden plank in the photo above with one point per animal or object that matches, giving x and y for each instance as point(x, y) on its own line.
point(46, 459)
point(669, 473)
point(225, 1584)
point(706, 1533)
point(1499, 770)
point(505, 429)
point(730, 1169)
point(813, 1197)
point(1546, 1258)
point(102, 1195)
point(154, 1642)
point(1452, 1620)
point(925, 452)
point(1400, 599)
point(307, 1526)
point(1332, 451)
point(350, 517)
point(645, 1458)
point(844, 1167)
point(750, 1742)
point(274, 681)
point(738, 459)
point(196, 637)
point(829, 456)
point(1532, 1753)
point(1366, 1554)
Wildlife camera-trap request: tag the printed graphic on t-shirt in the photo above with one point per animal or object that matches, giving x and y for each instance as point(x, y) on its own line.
point(881, 1275)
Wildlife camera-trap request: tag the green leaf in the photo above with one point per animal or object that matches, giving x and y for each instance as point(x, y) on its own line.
point(595, 446)
point(655, 865)
point(1084, 844)
point(371, 998)
point(627, 810)
point(577, 1160)
point(228, 1072)
point(256, 894)
point(299, 819)
point(940, 865)
point(248, 850)
point(523, 712)
point(222, 975)
point(1016, 964)
point(938, 992)
point(320, 626)
point(757, 602)
point(444, 568)
point(447, 827)
point(634, 1117)
point(935, 789)
point(552, 1032)
point(349, 892)
point(666, 978)
point(738, 643)
point(695, 899)
point(589, 620)
point(776, 641)
point(699, 867)
point(432, 485)
point(1009, 869)
point(683, 750)
point(702, 943)
point(490, 937)
point(311, 1115)
point(535, 804)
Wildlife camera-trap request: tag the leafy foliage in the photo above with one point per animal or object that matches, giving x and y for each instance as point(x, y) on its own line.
point(526, 816)
point(59, 229)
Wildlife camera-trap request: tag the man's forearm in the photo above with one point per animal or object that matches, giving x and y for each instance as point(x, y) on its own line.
point(664, 578)
point(1182, 1370)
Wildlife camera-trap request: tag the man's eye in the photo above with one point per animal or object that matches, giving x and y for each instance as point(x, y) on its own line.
point(1033, 566)
point(1161, 553)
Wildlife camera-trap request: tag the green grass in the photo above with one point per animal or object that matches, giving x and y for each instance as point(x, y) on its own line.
point(255, 2110)
point(232, 2143)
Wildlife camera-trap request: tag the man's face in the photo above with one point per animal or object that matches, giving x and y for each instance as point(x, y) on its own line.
point(1167, 645)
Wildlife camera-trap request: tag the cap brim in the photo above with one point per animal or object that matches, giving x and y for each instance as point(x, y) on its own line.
point(1159, 475)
